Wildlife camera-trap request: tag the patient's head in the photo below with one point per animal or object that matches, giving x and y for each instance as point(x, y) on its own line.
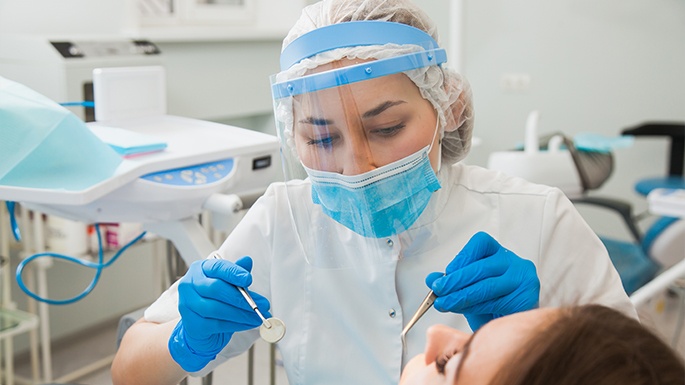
point(589, 344)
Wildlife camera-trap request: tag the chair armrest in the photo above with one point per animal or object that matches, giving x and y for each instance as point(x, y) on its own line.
point(622, 208)
point(675, 131)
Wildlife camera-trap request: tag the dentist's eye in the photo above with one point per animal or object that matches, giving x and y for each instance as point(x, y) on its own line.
point(389, 131)
point(324, 142)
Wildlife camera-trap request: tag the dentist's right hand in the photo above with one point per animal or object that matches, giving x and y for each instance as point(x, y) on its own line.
point(212, 309)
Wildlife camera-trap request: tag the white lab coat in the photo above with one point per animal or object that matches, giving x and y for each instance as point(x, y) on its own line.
point(344, 325)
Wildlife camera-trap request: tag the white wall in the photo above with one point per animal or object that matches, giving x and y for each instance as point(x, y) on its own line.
point(219, 79)
point(65, 17)
point(594, 66)
point(215, 70)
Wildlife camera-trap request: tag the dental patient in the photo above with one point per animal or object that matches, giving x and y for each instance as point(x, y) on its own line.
point(589, 344)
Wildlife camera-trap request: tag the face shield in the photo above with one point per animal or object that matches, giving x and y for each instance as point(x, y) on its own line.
point(363, 133)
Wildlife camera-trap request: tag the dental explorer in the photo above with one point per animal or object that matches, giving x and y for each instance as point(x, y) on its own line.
point(272, 329)
point(426, 304)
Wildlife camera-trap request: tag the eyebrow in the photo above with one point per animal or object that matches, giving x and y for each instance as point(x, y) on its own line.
point(381, 107)
point(465, 352)
point(316, 121)
point(368, 114)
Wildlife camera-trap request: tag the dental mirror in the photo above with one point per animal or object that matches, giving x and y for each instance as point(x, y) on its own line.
point(273, 333)
point(271, 329)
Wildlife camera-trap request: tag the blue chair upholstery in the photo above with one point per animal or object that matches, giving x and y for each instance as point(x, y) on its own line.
point(676, 157)
point(645, 186)
point(632, 263)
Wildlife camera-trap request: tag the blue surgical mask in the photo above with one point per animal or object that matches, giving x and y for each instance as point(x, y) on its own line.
point(379, 203)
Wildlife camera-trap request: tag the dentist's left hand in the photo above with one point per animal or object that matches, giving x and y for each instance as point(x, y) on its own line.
point(212, 309)
point(485, 281)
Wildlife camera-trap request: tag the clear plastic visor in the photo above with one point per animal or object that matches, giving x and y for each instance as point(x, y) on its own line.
point(341, 137)
point(354, 128)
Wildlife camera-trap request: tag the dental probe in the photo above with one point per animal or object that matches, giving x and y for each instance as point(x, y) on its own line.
point(253, 305)
point(423, 308)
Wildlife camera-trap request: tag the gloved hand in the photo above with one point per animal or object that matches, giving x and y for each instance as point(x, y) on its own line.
point(485, 281)
point(212, 309)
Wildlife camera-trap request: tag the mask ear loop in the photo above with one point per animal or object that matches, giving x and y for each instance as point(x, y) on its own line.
point(435, 135)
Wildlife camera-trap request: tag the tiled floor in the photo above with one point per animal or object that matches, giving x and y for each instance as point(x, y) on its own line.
point(660, 313)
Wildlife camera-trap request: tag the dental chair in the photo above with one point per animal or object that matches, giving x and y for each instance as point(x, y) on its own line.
point(647, 261)
point(555, 160)
point(676, 134)
point(664, 240)
point(666, 235)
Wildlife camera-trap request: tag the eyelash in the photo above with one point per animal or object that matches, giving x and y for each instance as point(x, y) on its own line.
point(390, 131)
point(327, 142)
point(442, 361)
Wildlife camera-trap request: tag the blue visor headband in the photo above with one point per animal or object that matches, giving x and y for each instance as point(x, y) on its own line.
point(352, 34)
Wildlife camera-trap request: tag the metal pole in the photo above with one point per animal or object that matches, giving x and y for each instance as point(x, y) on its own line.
point(658, 284)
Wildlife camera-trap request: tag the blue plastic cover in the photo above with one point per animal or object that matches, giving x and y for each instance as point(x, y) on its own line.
point(600, 143)
point(45, 146)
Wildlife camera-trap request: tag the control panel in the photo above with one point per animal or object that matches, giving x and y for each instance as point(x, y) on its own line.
point(198, 175)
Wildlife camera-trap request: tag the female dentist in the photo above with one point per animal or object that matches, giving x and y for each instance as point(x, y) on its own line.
point(370, 115)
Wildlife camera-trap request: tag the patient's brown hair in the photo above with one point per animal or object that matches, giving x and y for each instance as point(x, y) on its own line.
point(596, 345)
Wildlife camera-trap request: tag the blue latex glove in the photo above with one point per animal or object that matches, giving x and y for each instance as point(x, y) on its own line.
point(485, 281)
point(212, 309)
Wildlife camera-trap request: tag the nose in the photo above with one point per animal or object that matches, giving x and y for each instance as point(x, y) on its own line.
point(441, 338)
point(357, 159)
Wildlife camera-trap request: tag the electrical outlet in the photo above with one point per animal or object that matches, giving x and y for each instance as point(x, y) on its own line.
point(515, 82)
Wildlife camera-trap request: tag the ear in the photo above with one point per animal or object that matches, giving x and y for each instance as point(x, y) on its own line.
point(461, 110)
point(459, 120)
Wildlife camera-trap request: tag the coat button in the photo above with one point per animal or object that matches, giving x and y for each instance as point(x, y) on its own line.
point(392, 313)
point(390, 242)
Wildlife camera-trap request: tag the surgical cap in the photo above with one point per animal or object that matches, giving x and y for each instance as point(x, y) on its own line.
point(448, 92)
